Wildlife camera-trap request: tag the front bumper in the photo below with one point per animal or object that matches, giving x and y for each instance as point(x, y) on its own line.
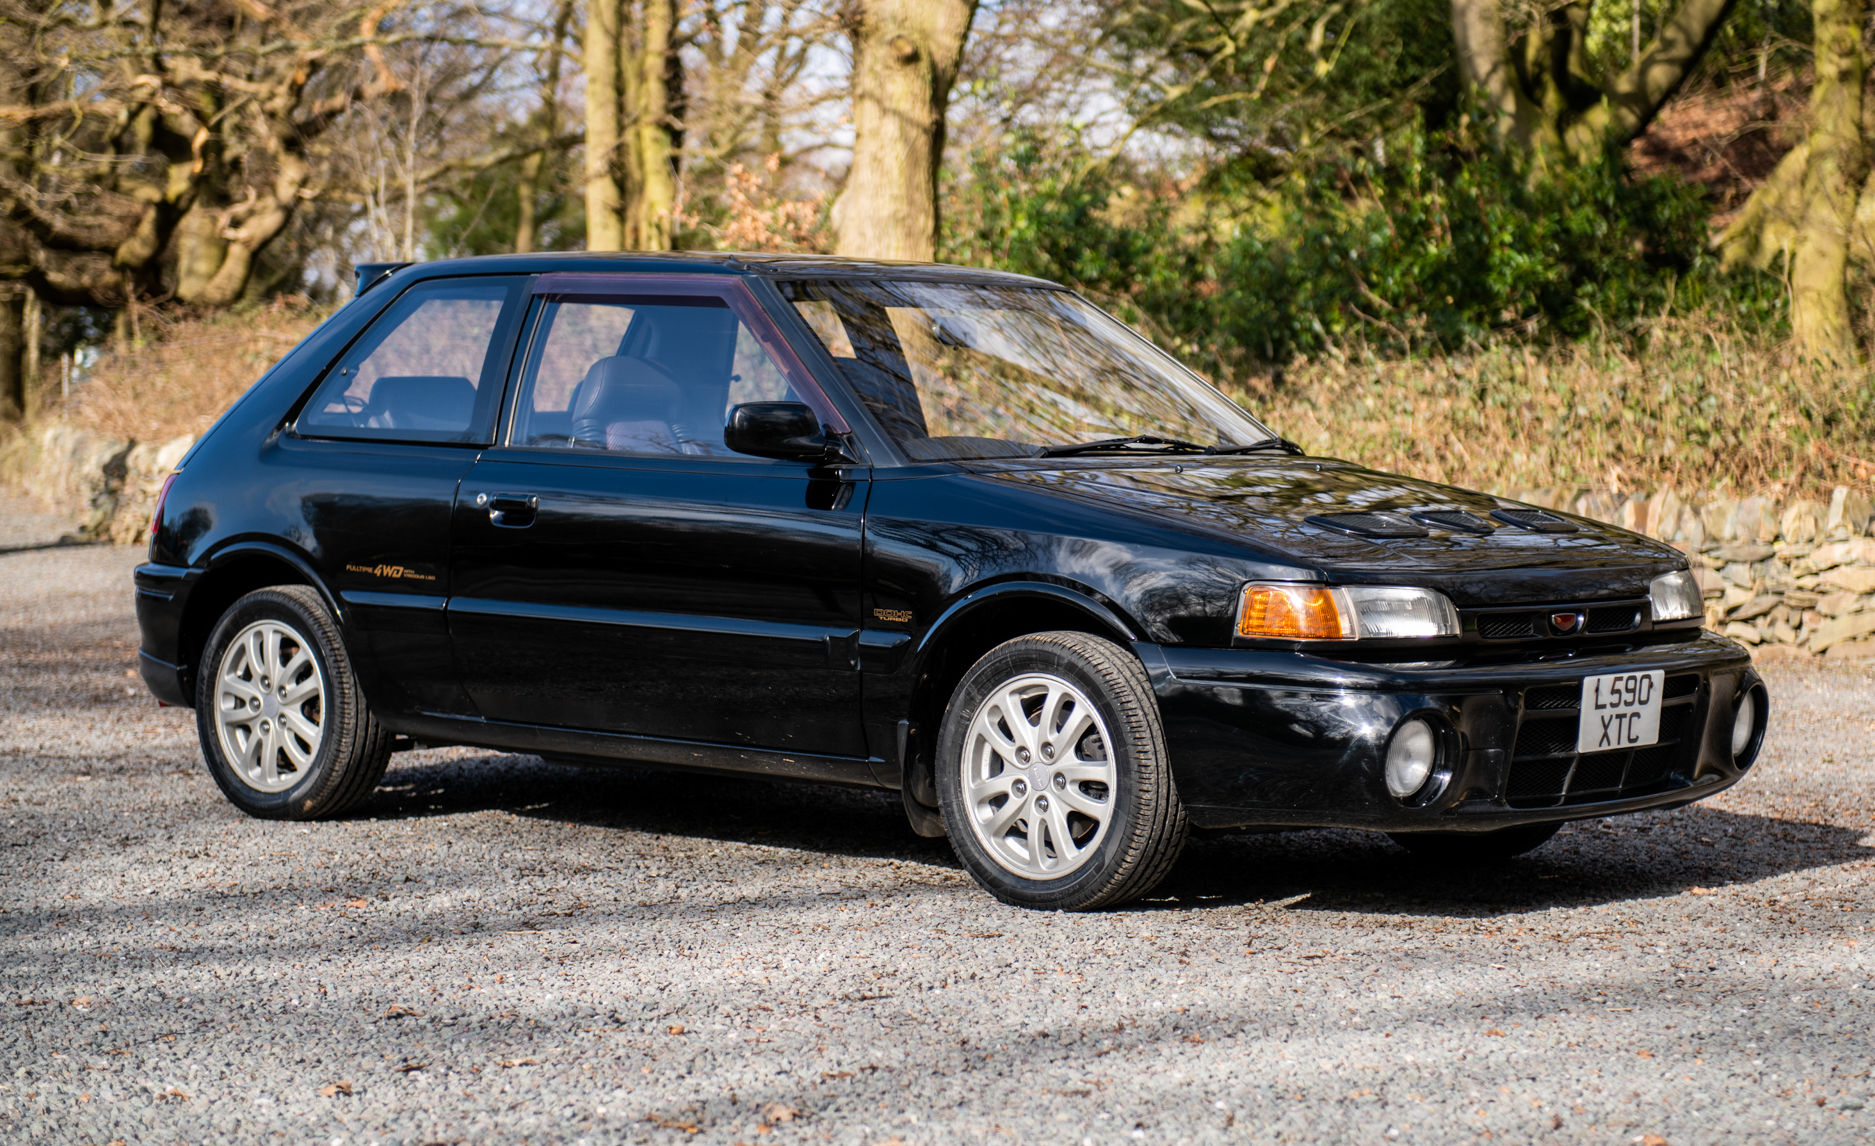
point(1282, 739)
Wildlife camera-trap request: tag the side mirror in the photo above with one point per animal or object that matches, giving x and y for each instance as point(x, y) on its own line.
point(787, 430)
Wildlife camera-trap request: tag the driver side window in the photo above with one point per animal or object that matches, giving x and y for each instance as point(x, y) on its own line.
point(649, 375)
point(427, 370)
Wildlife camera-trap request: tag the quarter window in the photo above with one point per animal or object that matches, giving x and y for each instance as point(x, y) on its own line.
point(428, 370)
point(652, 375)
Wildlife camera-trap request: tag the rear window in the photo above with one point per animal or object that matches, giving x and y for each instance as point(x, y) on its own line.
point(428, 370)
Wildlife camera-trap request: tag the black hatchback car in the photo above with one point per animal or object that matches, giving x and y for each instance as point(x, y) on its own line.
point(948, 532)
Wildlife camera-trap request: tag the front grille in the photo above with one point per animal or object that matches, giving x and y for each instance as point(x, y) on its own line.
point(1685, 684)
point(1545, 771)
point(1506, 626)
point(1550, 737)
point(1534, 621)
point(1617, 619)
point(1553, 696)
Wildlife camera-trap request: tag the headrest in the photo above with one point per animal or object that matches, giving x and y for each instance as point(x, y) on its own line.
point(422, 402)
point(627, 388)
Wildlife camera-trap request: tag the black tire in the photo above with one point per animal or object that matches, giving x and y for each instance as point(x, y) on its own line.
point(1144, 827)
point(1477, 846)
point(352, 748)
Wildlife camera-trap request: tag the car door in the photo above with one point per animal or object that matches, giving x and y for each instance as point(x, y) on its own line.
point(617, 569)
point(374, 459)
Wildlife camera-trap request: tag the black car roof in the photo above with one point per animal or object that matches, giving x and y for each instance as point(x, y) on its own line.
point(727, 262)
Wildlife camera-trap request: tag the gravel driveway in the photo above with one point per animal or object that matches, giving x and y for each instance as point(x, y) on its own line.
point(496, 950)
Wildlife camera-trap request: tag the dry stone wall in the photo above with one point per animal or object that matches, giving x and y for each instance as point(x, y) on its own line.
point(109, 484)
point(1793, 574)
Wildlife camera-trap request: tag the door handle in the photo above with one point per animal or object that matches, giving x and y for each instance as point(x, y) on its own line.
point(510, 510)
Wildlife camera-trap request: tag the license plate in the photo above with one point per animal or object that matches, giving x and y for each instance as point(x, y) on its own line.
point(1620, 710)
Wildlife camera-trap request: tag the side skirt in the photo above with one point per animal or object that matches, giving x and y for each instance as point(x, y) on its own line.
point(575, 746)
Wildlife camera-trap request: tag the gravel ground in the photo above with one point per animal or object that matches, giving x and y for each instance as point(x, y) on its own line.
point(496, 950)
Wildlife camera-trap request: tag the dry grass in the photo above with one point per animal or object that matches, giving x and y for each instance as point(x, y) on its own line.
point(190, 370)
point(1691, 405)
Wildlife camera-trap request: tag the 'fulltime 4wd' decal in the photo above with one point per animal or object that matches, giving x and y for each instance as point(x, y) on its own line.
point(395, 572)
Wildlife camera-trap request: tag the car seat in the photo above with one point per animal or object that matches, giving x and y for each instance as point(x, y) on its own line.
point(420, 402)
point(630, 404)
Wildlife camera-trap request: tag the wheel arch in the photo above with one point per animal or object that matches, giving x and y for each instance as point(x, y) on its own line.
point(232, 573)
point(971, 627)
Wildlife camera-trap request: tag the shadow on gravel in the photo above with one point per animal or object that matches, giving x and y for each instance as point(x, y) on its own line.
point(1593, 862)
point(1590, 862)
point(810, 817)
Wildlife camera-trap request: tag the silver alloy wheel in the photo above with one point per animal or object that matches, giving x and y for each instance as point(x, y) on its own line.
point(270, 706)
point(1038, 778)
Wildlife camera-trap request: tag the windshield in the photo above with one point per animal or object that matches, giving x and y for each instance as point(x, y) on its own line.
point(956, 371)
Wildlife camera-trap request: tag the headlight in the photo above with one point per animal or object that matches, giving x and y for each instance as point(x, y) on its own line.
point(1676, 596)
point(1322, 613)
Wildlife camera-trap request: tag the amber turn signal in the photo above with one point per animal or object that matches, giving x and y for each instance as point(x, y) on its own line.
point(1294, 612)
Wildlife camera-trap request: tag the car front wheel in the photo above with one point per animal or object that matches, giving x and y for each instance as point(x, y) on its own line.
point(1053, 775)
point(283, 726)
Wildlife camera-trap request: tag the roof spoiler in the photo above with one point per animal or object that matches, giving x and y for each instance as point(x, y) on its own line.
point(370, 274)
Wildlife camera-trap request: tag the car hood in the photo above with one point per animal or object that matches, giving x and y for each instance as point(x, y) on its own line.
point(1263, 505)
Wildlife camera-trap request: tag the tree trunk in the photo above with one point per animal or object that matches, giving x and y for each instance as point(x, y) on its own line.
point(1538, 84)
point(653, 179)
point(13, 380)
point(1838, 164)
point(905, 57)
point(604, 227)
point(1815, 208)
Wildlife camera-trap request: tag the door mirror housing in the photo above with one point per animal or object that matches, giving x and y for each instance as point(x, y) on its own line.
point(790, 431)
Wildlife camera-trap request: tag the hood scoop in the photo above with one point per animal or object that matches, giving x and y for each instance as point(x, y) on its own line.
point(1369, 524)
point(1535, 520)
point(1458, 520)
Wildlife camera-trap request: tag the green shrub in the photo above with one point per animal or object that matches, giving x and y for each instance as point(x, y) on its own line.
point(1440, 245)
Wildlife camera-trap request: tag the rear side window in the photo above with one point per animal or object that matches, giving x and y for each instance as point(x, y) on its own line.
point(430, 369)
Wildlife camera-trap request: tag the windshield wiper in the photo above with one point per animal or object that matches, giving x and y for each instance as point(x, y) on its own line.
point(1283, 444)
point(1171, 445)
point(1122, 443)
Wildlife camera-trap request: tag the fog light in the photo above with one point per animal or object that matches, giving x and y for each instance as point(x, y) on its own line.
point(1410, 758)
point(1744, 724)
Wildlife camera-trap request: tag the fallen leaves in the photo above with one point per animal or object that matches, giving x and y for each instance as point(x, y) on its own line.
point(332, 1088)
point(1495, 1033)
point(674, 1029)
point(1645, 1053)
point(1651, 1140)
point(358, 901)
point(398, 1011)
point(673, 1124)
point(983, 935)
point(519, 1062)
point(1700, 891)
point(836, 1074)
point(775, 1113)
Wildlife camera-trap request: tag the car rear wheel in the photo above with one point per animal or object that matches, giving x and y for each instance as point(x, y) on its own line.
point(283, 726)
point(1053, 775)
point(1501, 844)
